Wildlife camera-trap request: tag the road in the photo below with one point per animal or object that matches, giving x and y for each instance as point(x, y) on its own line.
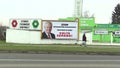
point(14, 60)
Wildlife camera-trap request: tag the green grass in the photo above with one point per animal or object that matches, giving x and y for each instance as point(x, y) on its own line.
point(64, 48)
point(2, 42)
point(56, 48)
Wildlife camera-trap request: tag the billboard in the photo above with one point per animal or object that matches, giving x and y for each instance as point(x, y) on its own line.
point(87, 21)
point(59, 29)
point(116, 33)
point(101, 32)
point(25, 24)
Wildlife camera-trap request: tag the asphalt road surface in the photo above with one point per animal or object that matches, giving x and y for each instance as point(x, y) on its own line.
point(14, 60)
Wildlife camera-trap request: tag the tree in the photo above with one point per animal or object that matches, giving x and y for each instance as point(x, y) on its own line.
point(116, 15)
point(3, 32)
point(87, 14)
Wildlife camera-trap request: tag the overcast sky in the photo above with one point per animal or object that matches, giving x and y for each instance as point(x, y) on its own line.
point(54, 9)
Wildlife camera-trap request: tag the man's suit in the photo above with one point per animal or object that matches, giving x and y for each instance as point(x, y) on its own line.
point(44, 36)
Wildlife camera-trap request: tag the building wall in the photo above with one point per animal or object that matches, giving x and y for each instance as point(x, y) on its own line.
point(31, 37)
point(34, 37)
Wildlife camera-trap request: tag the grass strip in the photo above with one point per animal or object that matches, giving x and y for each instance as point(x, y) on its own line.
point(57, 48)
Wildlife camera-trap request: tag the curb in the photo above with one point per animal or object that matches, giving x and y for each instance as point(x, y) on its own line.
point(62, 52)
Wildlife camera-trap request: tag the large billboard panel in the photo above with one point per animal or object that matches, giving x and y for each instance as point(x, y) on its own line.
point(59, 29)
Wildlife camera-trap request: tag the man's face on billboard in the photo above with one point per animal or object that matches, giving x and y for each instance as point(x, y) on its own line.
point(48, 28)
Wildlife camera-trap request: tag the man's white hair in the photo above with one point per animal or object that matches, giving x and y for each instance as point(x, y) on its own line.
point(47, 22)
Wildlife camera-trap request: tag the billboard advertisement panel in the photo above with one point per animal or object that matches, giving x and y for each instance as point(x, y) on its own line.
point(25, 24)
point(87, 21)
point(55, 29)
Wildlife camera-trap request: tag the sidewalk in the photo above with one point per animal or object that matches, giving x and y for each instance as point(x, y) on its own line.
point(94, 43)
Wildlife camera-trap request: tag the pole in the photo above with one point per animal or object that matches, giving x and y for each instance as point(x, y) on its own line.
point(111, 38)
point(81, 8)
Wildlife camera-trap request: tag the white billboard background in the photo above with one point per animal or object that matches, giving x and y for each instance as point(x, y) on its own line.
point(64, 30)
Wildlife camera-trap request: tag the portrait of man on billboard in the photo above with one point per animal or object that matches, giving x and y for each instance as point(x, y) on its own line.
point(47, 28)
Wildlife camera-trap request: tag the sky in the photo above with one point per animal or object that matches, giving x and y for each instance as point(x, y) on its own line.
point(54, 9)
